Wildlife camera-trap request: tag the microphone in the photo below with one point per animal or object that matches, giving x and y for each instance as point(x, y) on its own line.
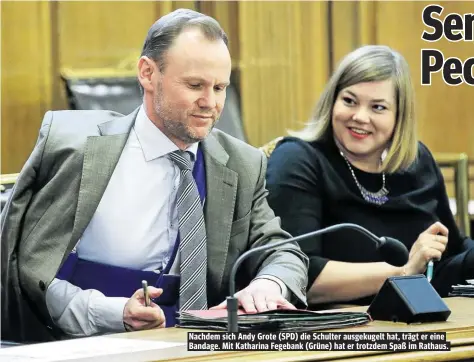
point(392, 250)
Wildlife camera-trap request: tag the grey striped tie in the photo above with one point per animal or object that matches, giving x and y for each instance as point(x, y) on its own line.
point(192, 231)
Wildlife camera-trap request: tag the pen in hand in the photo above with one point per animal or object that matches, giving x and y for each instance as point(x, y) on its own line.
point(429, 270)
point(145, 293)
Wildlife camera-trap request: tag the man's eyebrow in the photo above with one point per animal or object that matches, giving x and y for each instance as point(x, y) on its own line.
point(202, 80)
point(195, 78)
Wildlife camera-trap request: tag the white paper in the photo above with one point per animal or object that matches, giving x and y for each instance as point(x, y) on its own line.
point(80, 348)
point(470, 281)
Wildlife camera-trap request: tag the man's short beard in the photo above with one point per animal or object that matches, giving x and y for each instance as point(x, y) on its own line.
point(180, 131)
point(176, 128)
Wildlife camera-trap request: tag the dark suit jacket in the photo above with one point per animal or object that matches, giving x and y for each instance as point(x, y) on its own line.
point(62, 182)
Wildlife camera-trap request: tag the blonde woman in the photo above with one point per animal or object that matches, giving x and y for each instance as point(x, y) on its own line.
point(359, 160)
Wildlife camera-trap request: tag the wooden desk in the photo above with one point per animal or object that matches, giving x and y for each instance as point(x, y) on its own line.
point(459, 329)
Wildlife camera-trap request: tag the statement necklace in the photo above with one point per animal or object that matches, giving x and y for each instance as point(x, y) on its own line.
point(379, 197)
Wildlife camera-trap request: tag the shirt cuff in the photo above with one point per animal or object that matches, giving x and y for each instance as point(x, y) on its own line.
point(283, 287)
point(108, 314)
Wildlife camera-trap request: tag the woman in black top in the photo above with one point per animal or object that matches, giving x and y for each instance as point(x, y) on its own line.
point(359, 161)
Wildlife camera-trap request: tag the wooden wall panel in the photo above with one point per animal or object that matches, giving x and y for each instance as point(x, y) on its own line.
point(344, 29)
point(284, 52)
point(366, 22)
point(183, 4)
point(227, 14)
point(39, 38)
point(102, 34)
point(26, 78)
point(284, 64)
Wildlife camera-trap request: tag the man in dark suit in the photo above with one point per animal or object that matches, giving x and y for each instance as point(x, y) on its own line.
point(105, 200)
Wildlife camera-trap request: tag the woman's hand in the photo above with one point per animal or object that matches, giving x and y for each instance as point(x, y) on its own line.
point(430, 245)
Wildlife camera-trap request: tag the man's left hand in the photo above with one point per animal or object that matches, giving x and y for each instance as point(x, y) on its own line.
point(261, 295)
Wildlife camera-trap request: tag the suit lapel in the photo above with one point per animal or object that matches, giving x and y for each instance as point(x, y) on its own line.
point(221, 191)
point(100, 158)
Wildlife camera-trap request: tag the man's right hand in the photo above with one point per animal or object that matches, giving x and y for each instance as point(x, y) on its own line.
point(137, 317)
point(430, 245)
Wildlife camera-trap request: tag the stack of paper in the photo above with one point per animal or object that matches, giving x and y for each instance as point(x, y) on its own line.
point(466, 290)
point(275, 320)
point(83, 349)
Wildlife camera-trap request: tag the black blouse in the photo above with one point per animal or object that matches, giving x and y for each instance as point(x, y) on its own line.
point(311, 187)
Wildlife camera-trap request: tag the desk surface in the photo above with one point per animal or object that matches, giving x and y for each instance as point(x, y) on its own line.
point(459, 328)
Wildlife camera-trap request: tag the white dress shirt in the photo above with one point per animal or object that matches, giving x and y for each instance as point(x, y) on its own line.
point(135, 226)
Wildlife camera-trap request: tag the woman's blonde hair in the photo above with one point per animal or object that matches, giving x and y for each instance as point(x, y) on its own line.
point(371, 63)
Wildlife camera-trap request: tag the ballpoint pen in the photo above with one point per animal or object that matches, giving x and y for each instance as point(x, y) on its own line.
point(145, 293)
point(429, 270)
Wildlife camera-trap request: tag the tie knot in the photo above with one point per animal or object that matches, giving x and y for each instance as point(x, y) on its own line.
point(182, 159)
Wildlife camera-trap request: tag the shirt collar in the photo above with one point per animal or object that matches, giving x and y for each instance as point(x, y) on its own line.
point(153, 142)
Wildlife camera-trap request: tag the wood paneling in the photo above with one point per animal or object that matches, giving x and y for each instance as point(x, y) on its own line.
point(227, 14)
point(284, 52)
point(184, 5)
point(284, 64)
point(366, 20)
point(26, 78)
point(39, 38)
point(102, 34)
point(344, 29)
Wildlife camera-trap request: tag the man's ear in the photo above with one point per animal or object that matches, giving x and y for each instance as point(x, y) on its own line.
point(147, 73)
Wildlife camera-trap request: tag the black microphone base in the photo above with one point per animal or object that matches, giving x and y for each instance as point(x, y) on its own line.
point(408, 299)
point(232, 306)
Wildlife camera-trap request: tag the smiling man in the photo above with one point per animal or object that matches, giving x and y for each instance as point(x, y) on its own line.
point(106, 201)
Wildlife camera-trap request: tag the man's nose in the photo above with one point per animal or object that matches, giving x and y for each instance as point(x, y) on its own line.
point(207, 100)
